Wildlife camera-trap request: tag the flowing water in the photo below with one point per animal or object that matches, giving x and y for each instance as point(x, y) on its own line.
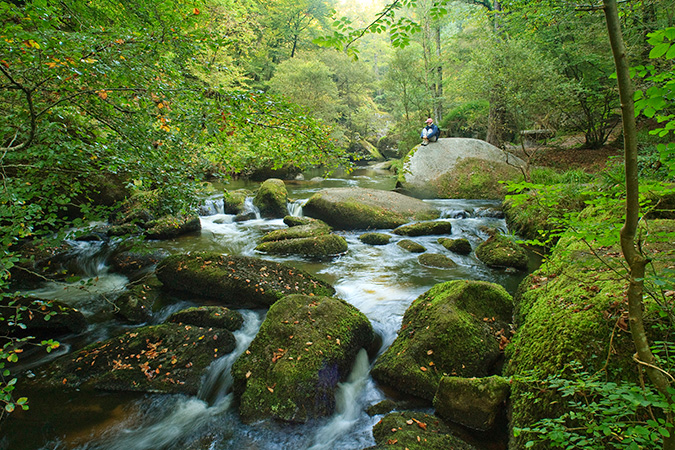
point(381, 281)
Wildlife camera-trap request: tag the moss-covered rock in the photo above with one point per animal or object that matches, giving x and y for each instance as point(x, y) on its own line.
point(135, 304)
point(358, 208)
point(456, 328)
point(272, 199)
point(309, 230)
point(460, 246)
point(319, 246)
point(209, 317)
point(414, 430)
point(305, 346)
point(169, 227)
point(500, 251)
point(40, 318)
point(472, 402)
point(234, 201)
point(411, 246)
point(375, 238)
point(238, 281)
point(436, 260)
point(132, 262)
point(168, 358)
point(424, 228)
point(294, 221)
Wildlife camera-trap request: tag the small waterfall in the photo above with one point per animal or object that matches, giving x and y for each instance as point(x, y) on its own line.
point(211, 207)
point(295, 207)
point(88, 257)
point(249, 207)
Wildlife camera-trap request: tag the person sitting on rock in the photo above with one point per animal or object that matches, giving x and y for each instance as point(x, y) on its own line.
point(430, 132)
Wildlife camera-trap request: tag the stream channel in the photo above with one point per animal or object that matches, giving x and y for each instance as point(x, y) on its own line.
point(381, 281)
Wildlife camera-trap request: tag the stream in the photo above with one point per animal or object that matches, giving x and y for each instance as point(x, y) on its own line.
point(381, 281)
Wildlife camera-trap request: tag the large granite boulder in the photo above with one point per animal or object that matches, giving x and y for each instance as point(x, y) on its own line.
point(237, 281)
point(305, 347)
point(455, 328)
point(272, 199)
point(359, 208)
point(168, 358)
point(458, 168)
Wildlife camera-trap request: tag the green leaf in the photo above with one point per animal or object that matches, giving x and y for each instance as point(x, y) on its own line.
point(659, 50)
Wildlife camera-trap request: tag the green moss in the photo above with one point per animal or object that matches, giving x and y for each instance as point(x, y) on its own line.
point(305, 346)
point(436, 260)
point(209, 317)
point(500, 251)
point(411, 246)
point(375, 238)
point(476, 178)
point(296, 232)
point(461, 246)
point(272, 198)
point(233, 201)
point(452, 329)
point(424, 228)
point(318, 246)
point(414, 430)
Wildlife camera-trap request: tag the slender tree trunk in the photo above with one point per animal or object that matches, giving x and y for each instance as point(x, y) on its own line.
point(636, 261)
point(439, 77)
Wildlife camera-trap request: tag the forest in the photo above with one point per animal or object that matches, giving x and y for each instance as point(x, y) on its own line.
point(103, 101)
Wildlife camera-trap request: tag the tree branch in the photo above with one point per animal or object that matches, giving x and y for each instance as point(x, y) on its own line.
point(31, 108)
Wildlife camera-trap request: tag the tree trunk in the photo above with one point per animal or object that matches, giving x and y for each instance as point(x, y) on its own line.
point(636, 261)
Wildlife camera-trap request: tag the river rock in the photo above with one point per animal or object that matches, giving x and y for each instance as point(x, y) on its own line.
point(375, 238)
point(38, 317)
point(272, 199)
point(169, 227)
point(461, 246)
point(135, 304)
point(234, 202)
point(455, 328)
point(168, 358)
point(472, 402)
point(359, 208)
point(135, 261)
point(305, 347)
point(424, 228)
point(411, 246)
point(458, 168)
point(415, 430)
point(309, 230)
point(436, 260)
point(318, 246)
point(500, 251)
point(41, 260)
point(237, 281)
point(209, 317)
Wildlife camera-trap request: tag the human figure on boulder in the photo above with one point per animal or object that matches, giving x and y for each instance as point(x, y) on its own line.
point(430, 132)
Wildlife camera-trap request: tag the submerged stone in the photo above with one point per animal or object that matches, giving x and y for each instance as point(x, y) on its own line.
point(305, 347)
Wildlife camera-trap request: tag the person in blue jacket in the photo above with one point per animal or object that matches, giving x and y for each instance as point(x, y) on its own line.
point(430, 132)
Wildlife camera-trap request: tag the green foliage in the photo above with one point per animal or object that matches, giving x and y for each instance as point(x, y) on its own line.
point(467, 120)
point(599, 414)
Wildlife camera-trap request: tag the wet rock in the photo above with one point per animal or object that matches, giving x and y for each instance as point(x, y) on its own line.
point(500, 251)
point(209, 317)
point(135, 304)
point(168, 358)
point(41, 260)
point(455, 328)
point(126, 229)
point(38, 317)
point(318, 246)
point(424, 228)
point(411, 246)
point(272, 199)
point(294, 221)
point(472, 402)
point(237, 281)
point(234, 202)
point(460, 246)
point(375, 238)
point(305, 347)
point(358, 208)
point(309, 230)
point(436, 260)
point(169, 227)
point(414, 430)
point(135, 261)
point(489, 212)
point(388, 405)
point(243, 217)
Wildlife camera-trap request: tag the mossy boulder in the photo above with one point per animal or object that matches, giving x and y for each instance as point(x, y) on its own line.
point(170, 226)
point(209, 317)
point(132, 262)
point(472, 402)
point(415, 430)
point(305, 347)
point(136, 303)
point(424, 228)
point(375, 238)
point(39, 318)
point(500, 251)
point(238, 281)
point(436, 260)
point(168, 358)
point(318, 246)
point(461, 246)
point(411, 246)
point(309, 230)
point(455, 328)
point(272, 199)
point(234, 202)
point(294, 221)
point(359, 208)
